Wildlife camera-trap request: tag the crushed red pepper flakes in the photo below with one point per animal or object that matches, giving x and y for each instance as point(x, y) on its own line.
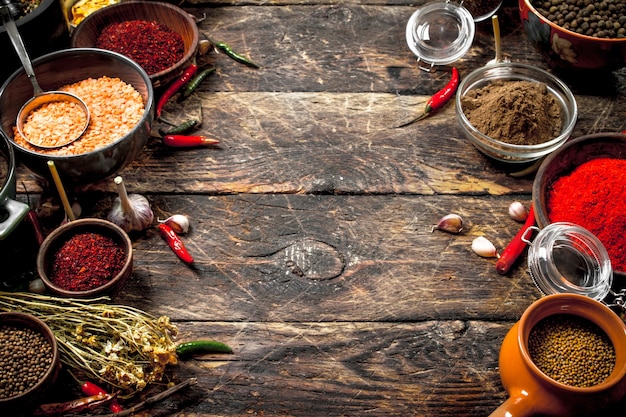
point(153, 45)
point(86, 261)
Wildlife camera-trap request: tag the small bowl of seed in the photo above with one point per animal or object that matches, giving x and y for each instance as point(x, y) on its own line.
point(30, 362)
point(85, 258)
point(515, 113)
point(574, 38)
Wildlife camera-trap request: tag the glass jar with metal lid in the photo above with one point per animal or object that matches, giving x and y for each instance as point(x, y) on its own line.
point(441, 32)
point(567, 258)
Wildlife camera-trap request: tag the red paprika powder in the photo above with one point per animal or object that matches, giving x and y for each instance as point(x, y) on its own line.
point(154, 46)
point(86, 261)
point(593, 196)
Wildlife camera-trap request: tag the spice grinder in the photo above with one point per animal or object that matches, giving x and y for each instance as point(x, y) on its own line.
point(11, 211)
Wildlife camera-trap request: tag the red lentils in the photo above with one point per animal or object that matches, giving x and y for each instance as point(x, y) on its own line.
point(571, 350)
point(115, 108)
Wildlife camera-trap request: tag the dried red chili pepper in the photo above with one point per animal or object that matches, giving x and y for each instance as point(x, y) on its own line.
point(73, 406)
point(33, 219)
point(440, 98)
point(177, 245)
point(176, 85)
point(188, 141)
point(515, 248)
point(91, 389)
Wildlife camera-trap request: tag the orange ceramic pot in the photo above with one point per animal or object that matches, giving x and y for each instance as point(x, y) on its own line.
point(531, 392)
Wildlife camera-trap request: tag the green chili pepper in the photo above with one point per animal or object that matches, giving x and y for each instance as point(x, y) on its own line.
point(234, 55)
point(181, 129)
point(191, 86)
point(198, 347)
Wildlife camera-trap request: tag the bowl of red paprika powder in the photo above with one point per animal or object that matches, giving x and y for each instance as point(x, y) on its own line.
point(85, 258)
point(584, 182)
point(161, 37)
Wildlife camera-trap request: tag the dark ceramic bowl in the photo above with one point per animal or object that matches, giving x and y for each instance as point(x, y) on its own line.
point(65, 67)
point(570, 51)
point(562, 162)
point(29, 399)
point(86, 33)
point(62, 234)
point(15, 210)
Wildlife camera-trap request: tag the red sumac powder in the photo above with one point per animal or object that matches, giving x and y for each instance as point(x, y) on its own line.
point(593, 196)
point(154, 46)
point(86, 261)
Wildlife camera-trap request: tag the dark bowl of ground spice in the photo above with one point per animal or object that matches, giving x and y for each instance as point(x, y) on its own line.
point(85, 258)
point(577, 36)
point(584, 183)
point(161, 37)
point(29, 362)
point(515, 113)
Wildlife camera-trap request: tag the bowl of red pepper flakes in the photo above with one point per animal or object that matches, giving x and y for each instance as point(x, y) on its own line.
point(584, 182)
point(161, 37)
point(85, 258)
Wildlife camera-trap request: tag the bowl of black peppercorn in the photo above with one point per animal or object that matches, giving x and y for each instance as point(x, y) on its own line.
point(576, 39)
point(29, 362)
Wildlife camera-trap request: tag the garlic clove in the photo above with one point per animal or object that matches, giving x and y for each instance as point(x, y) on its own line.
point(518, 212)
point(178, 222)
point(451, 223)
point(483, 247)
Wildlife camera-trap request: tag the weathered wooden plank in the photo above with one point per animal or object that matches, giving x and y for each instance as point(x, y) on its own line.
point(325, 258)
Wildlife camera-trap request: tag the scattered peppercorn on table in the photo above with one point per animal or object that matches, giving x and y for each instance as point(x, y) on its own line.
point(311, 222)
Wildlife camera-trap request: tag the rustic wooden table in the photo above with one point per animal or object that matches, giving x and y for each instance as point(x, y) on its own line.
point(311, 221)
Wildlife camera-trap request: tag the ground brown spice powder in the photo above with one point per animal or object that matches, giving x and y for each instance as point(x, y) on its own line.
point(516, 112)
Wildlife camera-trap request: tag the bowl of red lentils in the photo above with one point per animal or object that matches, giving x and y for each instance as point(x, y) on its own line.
point(576, 36)
point(584, 183)
point(85, 258)
point(161, 37)
point(120, 99)
point(29, 362)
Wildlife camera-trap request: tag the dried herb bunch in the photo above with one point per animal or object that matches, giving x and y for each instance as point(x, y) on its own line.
point(120, 345)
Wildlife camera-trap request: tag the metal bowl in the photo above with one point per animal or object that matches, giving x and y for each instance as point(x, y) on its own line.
point(55, 240)
point(504, 152)
point(86, 33)
point(65, 67)
point(28, 400)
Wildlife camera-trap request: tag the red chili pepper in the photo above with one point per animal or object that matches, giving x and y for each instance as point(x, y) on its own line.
point(440, 98)
point(175, 243)
point(188, 141)
point(33, 219)
point(72, 406)
point(89, 388)
point(174, 87)
point(515, 248)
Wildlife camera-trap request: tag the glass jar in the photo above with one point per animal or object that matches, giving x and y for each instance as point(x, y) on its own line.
point(567, 258)
point(441, 32)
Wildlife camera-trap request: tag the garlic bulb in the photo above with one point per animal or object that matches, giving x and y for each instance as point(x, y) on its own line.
point(483, 247)
point(451, 223)
point(518, 212)
point(130, 211)
point(178, 222)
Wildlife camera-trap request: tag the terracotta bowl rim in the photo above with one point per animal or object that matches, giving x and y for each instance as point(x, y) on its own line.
point(567, 31)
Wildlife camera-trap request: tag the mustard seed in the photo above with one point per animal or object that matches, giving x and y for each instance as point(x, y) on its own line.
point(571, 350)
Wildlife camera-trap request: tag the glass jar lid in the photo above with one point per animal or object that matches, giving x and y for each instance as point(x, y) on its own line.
point(440, 33)
point(567, 258)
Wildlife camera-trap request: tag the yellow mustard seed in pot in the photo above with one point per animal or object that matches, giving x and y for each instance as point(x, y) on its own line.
point(571, 350)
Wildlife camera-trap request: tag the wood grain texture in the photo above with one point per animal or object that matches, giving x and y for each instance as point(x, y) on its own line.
point(312, 220)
